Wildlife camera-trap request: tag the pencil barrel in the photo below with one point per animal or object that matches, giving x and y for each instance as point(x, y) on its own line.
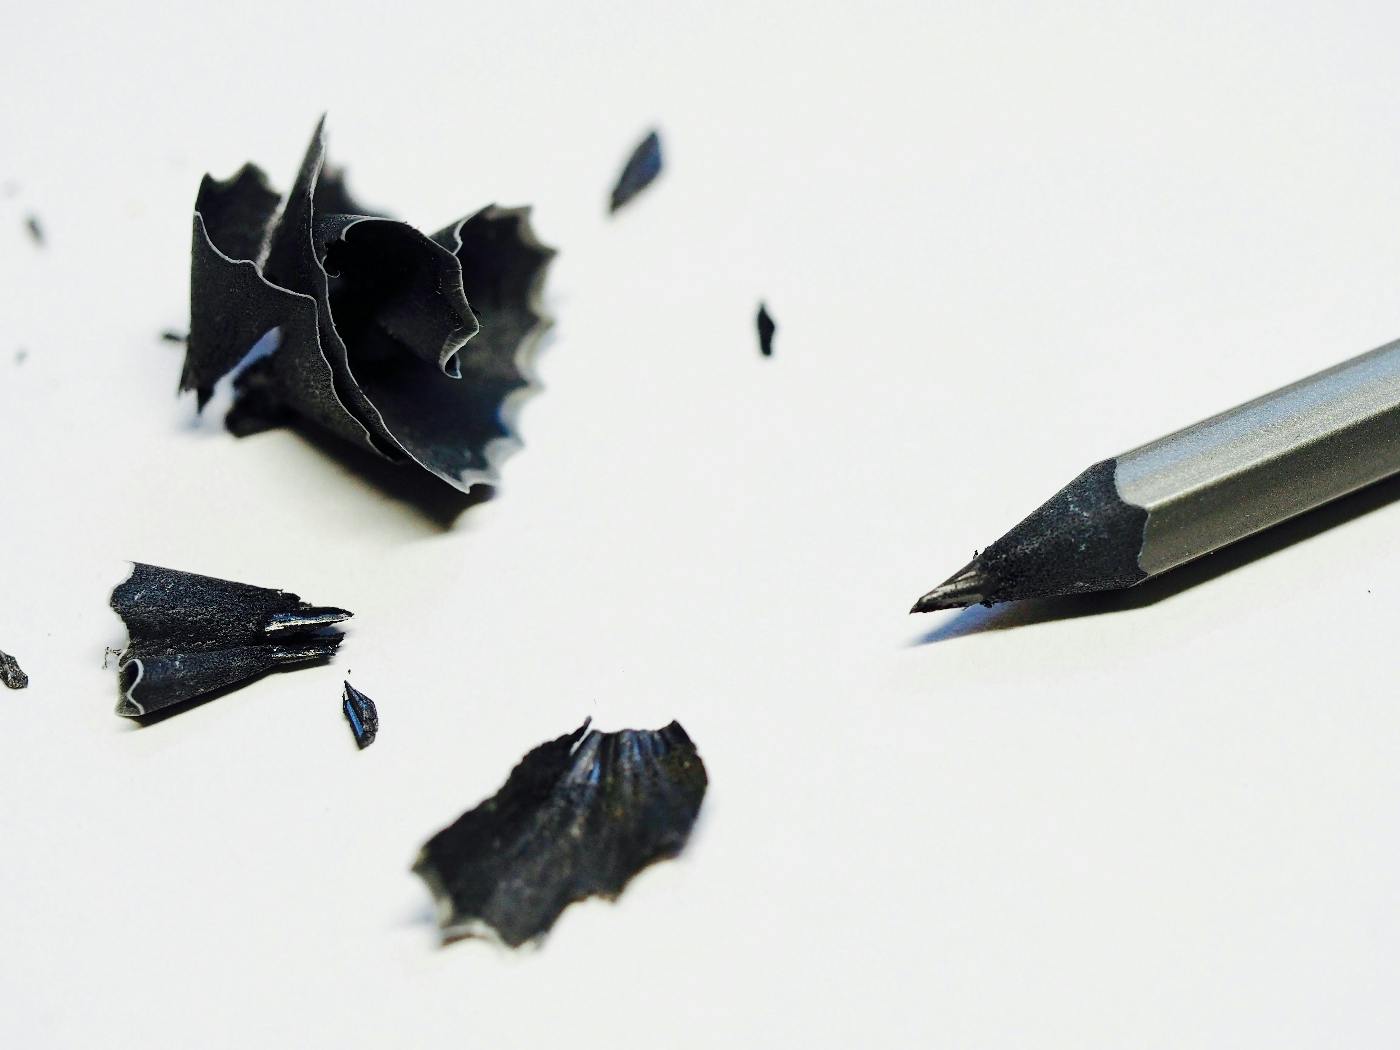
point(1265, 461)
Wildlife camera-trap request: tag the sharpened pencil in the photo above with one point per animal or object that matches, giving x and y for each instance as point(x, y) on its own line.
point(1127, 519)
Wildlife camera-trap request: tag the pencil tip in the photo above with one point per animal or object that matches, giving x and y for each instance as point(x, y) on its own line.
point(968, 586)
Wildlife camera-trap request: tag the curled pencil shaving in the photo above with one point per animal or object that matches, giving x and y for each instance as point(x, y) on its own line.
point(192, 634)
point(578, 817)
point(418, 348)
point(11, 675)
point(641, 169)
point(362, 715)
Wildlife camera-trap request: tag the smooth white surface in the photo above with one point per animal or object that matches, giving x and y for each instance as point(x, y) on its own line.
point(999, 244)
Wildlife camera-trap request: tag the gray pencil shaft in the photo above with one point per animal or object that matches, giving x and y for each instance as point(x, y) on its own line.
point(1265, 461)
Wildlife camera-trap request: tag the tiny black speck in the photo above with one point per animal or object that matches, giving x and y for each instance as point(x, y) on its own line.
point(766, 328)
point(10, 673)
point(362, 715)
point(639, 173)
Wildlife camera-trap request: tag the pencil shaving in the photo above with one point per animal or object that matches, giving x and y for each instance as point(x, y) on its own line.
point(417, 348)
point(578, 817)
point(192, 635)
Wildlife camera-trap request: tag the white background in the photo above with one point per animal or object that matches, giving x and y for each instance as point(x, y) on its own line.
point(1000, 243)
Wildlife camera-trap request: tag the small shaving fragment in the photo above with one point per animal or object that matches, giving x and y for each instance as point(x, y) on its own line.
point(36, 231)
point(192, 635)
point(579, 816)
point(362, 715)
point(172, 336)
point(642, 168)
point(766, 328)
point(10, 673)
point(415, 348)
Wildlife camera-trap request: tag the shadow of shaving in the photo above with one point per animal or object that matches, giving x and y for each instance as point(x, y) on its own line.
point(979, 619)
point(156, 717)
point(410, 485)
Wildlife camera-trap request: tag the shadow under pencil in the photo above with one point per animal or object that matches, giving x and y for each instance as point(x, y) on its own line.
point(978, 619)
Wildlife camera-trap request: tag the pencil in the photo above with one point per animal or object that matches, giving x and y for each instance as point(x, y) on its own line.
point(1127, 519)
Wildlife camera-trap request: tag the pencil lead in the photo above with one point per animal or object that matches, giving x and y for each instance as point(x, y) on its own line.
point(968, 586)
